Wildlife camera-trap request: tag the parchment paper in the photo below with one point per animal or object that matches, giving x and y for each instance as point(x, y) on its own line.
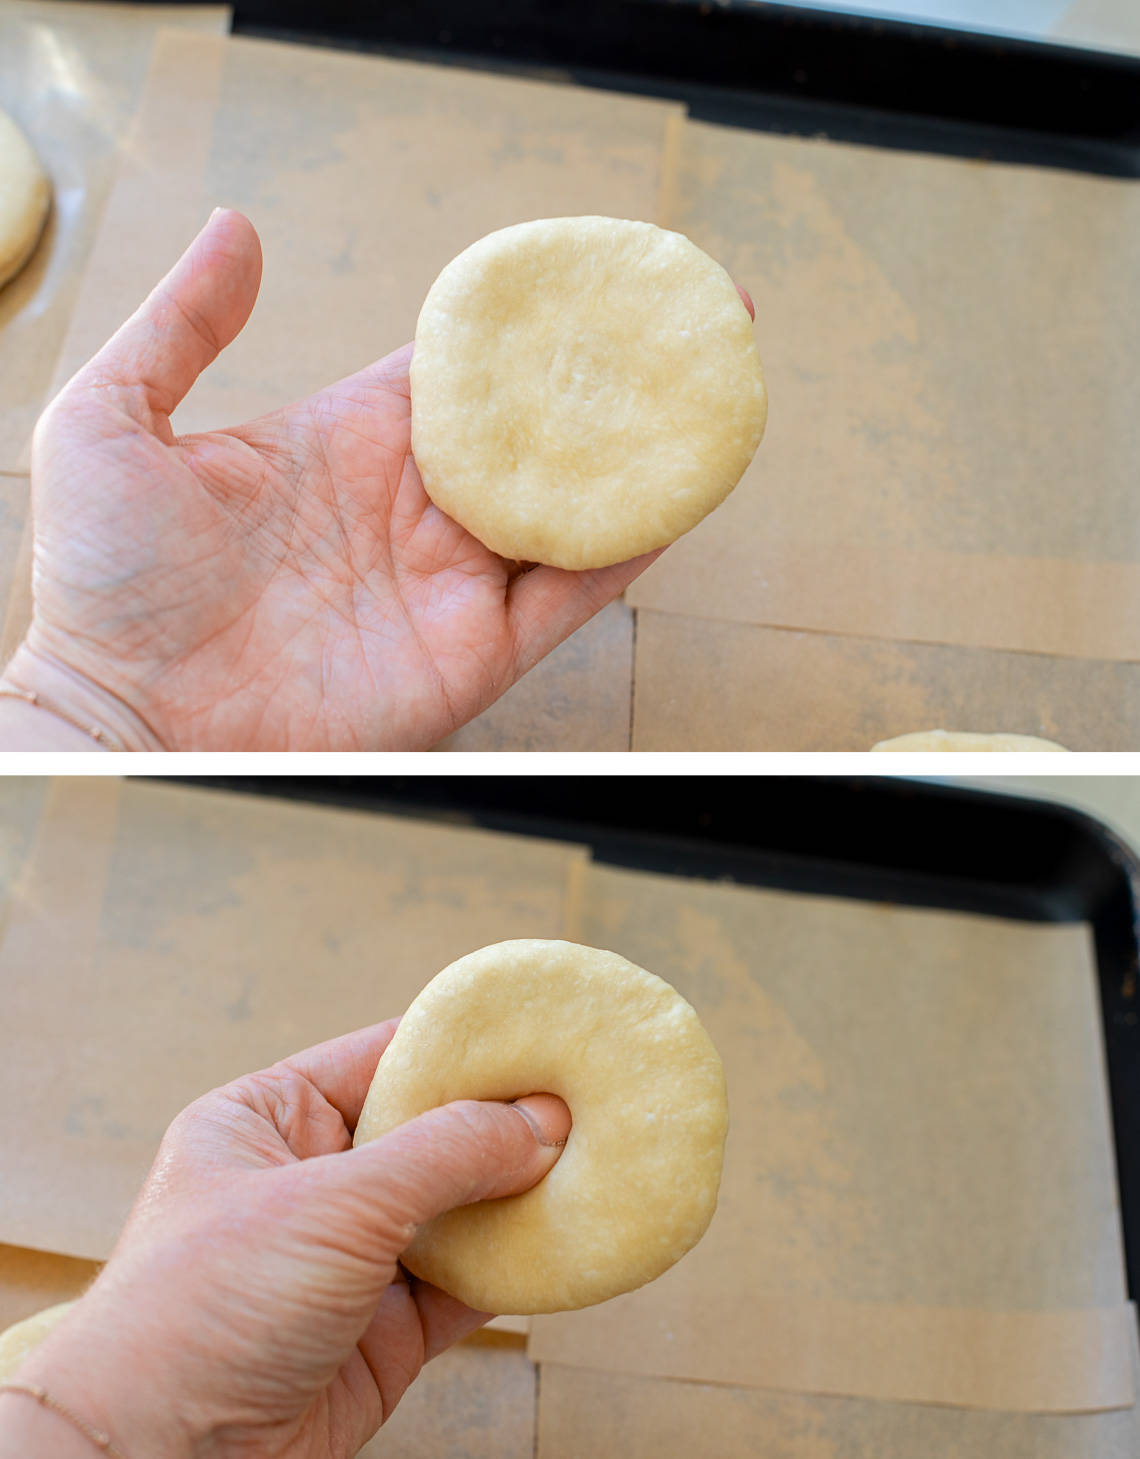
point(951, 450)
point(363, 176)
point(167, 939)
point(582, 1412)
point(579, 698)
point(919, 1155)
point(33, 1280)
point(476, 1401)
point(704, 685)
point(16, 547)
point(71, 75)
point(21, 801)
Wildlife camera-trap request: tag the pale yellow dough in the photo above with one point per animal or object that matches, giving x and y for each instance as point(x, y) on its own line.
point(25, 194)
point(17, 1342)
point(943, 740)
point(637, 1183)
point(583, 389)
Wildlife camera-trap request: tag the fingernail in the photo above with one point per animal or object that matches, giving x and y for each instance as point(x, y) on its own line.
point(548, 1116)
point(214, 214)
point(746, 300)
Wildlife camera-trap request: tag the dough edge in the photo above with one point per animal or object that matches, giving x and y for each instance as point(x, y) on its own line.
point(940, 741)
point(22, 227)
point(18, 1341)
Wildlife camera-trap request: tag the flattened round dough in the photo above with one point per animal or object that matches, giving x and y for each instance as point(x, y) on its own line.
point(25, 193)
point(583, 389)
point(637, 1183)
point(17, 1342)
point(943, 740)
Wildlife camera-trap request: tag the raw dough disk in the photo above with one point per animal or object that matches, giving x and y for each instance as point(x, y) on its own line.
point(583, 390)
point(942, 740)
point(24, 197)
point(17, 1342)
point(637, 1183)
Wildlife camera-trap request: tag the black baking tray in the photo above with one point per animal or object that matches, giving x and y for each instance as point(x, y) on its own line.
point(855, 78)
point(897, 841)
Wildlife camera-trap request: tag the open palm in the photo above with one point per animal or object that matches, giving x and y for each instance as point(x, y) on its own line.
point(284, 584)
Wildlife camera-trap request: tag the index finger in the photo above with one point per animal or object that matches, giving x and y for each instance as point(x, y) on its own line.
point(342, 1069)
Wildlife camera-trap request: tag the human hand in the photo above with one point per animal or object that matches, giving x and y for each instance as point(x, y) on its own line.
point(284, 584)
point(254, 1305)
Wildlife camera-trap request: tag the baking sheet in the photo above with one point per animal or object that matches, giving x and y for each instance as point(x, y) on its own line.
point(168, 939)
point(71, 75)
point(919, 1151)
point(705, 685)
point(1111, 799)
point(951, 450)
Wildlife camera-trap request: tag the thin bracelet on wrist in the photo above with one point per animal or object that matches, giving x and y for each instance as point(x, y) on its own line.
point(96, 1436)
point(30, 696)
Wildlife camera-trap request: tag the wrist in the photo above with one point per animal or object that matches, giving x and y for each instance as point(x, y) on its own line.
point(25, 725)
point(46, 704)
point(31, 1430)
point(88, 1370)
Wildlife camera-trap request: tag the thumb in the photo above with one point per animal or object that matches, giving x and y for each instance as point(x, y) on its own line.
point(470, 1150)
point(199, 308)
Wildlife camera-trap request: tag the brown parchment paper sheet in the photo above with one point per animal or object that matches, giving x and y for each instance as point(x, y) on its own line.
point(15, 562)
point(918, 1121)
point(33, 1280)
point(71, 75)
point(167, 939)
point(951, 449)
point(579, 698)
point(706, 685)
point(363, 176)
point(582, 1413)
point(475, 1401)
point(17, 544)
point(21, 802)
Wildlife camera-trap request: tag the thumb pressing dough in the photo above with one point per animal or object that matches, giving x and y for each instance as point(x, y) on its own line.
point(635, 1186)
point(25, 194)
point(17, 1342)
point(950, 740)
point(583, 390)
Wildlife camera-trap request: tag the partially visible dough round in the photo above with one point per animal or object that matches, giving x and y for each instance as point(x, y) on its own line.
point(25, 194)
point(17, 1342)
point(583, 389)
point(943, 740)
point(637, 1183)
